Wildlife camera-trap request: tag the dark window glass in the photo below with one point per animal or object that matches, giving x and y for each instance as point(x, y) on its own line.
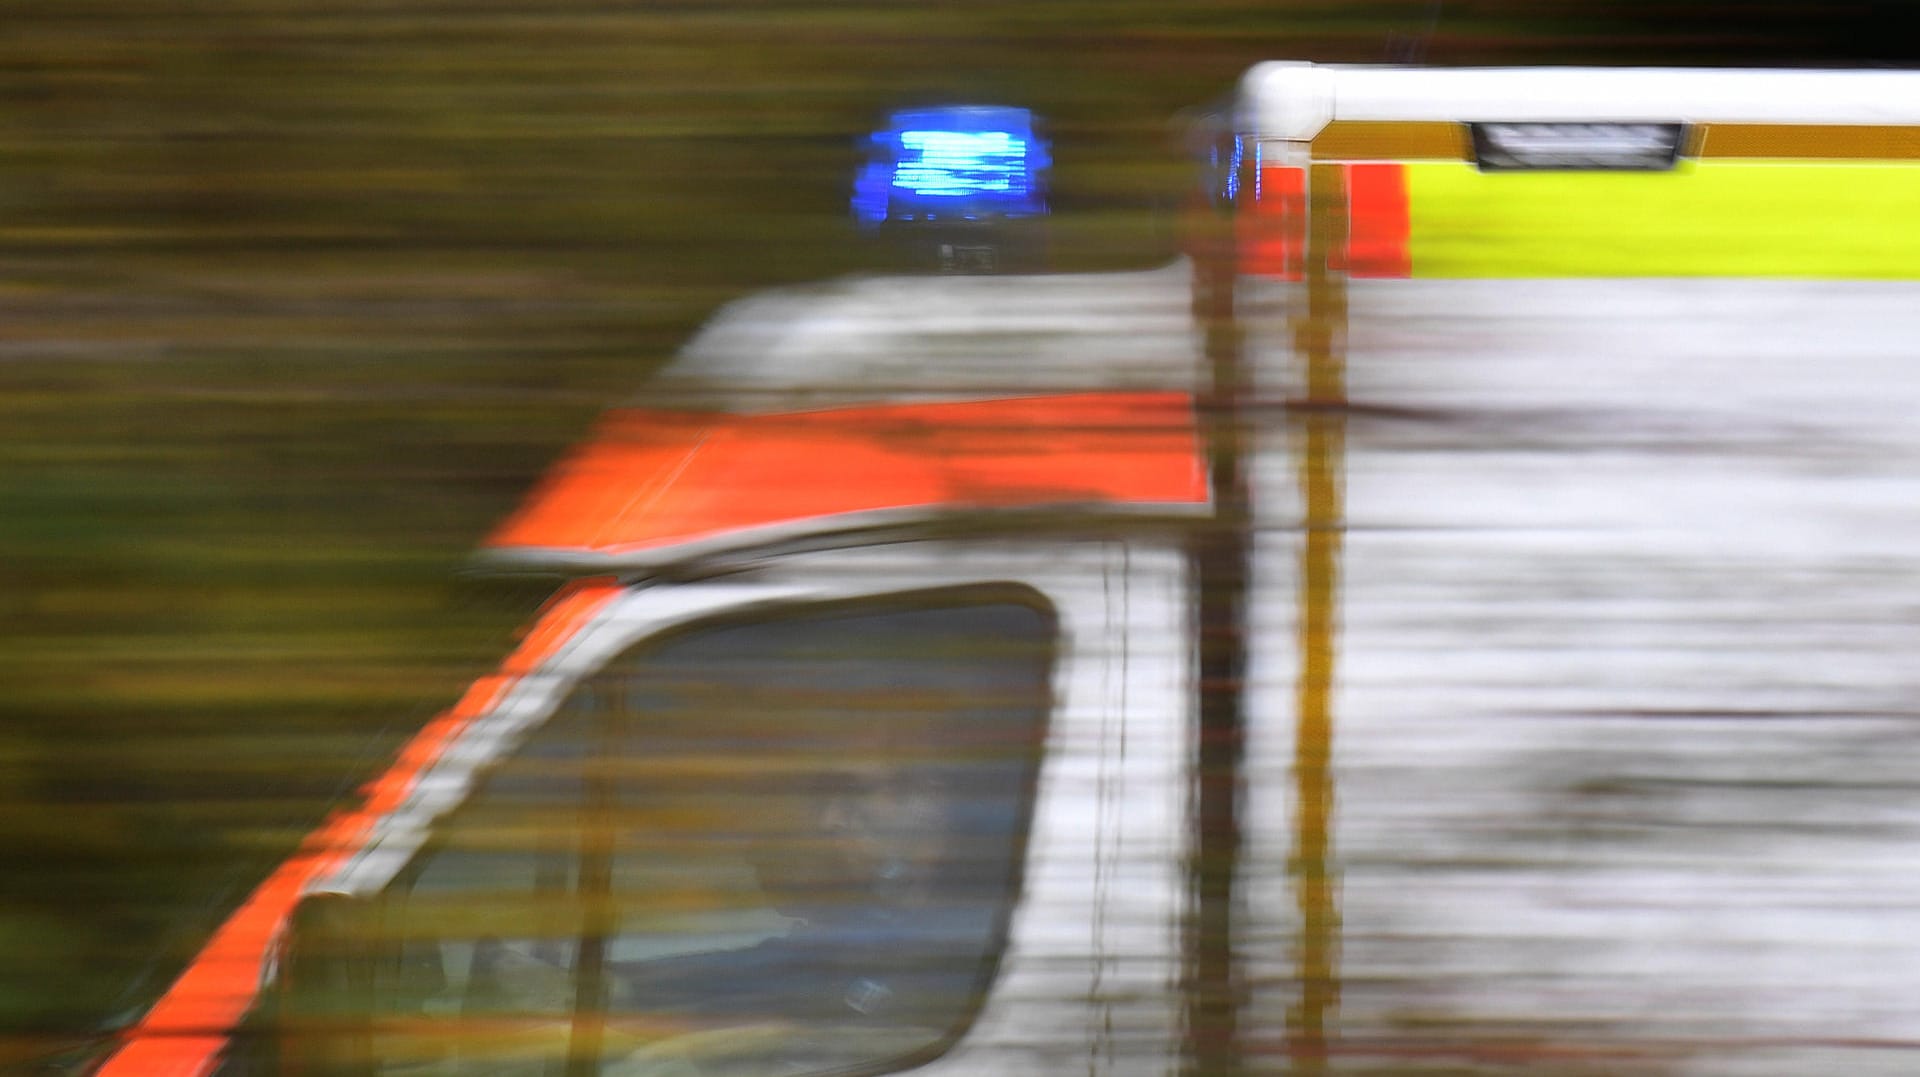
point(783, 845)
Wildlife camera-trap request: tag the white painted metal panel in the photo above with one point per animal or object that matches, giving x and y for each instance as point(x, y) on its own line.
point(1625, 731)
point(1293, 101)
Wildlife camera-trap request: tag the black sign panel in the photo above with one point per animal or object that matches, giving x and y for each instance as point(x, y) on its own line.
point(1577, 147)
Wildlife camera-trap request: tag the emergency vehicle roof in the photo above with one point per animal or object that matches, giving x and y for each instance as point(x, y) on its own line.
point(873, 339)
point(883, 402)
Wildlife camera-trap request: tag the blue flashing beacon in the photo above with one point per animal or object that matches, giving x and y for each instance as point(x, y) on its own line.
point(952, 164)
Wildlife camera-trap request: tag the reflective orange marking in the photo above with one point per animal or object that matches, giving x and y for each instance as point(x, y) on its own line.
point(184, 1033)
point(654, 480)
point(1808, 141)
point(1273, 227)
point(1446, 140)
point(1392, 140)
point(1378, 222)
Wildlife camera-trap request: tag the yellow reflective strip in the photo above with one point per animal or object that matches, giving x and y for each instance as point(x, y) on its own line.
point(1749, 218)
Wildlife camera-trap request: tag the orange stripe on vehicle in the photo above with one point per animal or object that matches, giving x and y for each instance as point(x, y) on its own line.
point(1447, 140)
point(1273, 230)
point(1393, 140)
point(1809, 141)
point(654, 480)
point(1378, 222)
point(184, 1033)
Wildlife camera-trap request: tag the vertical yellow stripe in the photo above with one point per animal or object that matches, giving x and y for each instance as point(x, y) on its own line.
point(1320, 337)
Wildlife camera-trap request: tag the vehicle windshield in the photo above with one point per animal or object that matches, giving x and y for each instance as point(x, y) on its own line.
point(782, 846)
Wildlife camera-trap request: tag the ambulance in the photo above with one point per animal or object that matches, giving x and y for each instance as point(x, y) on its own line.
point(1461, 618)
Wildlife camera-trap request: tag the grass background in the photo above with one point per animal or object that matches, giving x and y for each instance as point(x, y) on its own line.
point(298, 296)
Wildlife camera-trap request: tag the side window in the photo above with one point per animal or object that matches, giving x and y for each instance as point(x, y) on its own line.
point(781, 844)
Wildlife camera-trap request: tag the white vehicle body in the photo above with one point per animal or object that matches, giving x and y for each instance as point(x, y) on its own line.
point(1090, 954)
point(1576, 607)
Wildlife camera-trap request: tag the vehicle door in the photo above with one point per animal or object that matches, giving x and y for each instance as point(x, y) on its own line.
point(923, 808)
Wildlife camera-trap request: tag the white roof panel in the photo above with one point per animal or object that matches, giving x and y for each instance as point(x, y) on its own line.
point(1293, 101)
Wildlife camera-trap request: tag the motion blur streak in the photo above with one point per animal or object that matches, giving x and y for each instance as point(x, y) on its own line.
point(299, 297)
point(173, 1039)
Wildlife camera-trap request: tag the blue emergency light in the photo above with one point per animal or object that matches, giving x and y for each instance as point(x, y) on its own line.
point(955, 163)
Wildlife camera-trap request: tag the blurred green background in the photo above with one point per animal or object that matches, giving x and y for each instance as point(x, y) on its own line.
point(298, 296)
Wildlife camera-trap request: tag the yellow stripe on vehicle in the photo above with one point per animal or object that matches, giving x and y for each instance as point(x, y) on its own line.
point(1723, 218)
